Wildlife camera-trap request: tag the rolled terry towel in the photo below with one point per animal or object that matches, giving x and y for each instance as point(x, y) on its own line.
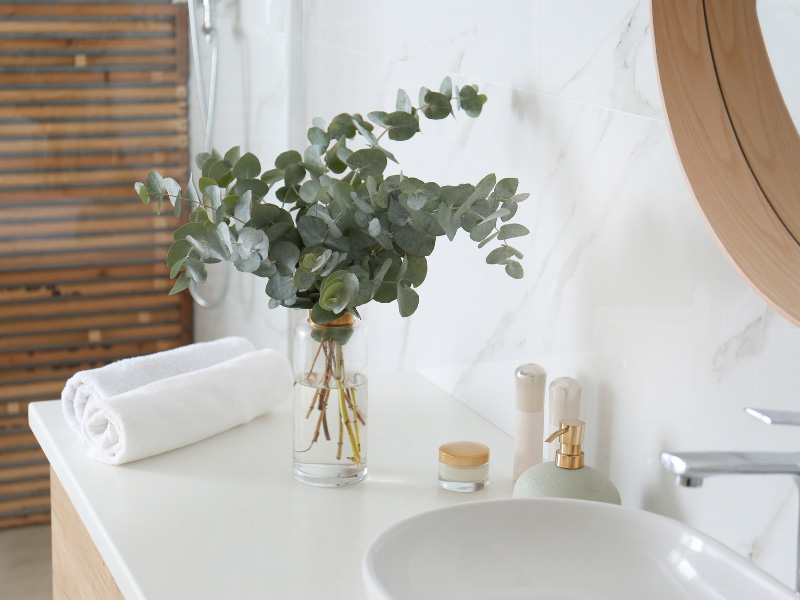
point(186, 408)
point(130, 373)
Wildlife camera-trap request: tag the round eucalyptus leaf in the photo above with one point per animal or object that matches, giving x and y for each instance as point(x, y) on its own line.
point(514, 269)
point(414, 241)
point(287, 158)
point(512, 230)
point(407, 300)
point(280, 287)
point(368, 161)
point(247, 167)
point(438, 106)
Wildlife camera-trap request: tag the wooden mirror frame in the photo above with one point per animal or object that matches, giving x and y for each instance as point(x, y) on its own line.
point(735, 139)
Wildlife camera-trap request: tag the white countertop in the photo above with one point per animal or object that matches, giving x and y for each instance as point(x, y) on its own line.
point(225, 518)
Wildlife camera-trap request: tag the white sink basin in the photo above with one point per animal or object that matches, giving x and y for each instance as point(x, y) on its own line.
point(556, 550)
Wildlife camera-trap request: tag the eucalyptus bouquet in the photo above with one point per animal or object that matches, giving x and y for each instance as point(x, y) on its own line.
point(328, 229)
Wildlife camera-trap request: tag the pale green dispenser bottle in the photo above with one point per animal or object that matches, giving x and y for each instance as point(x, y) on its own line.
point(567, 477)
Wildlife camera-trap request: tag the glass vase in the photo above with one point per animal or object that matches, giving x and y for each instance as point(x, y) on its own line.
point(330, 402)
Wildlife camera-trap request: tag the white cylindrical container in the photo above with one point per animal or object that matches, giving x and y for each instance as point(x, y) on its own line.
point(564, 403)
point(528, 441)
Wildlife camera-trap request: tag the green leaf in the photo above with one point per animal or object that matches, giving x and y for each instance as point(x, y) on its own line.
point(482, 190)
point(155, 184)
point(320, 316)
point(401, 125)
point(142, 190)
point(415, 193)
point(233, 155)
point(247, 167)
point(212, 195)
point(253, 240)
point(287, 158)
point(272, 176)
point(514, 269)
point(219, 171)
point(242, 209)
point(294, 174)
point(374, 227)
point(414, 241)
point(303, 280)
point(336, 291)
point(417, 269)
point(471, 102)
point(177, 268)
point(196, 230)
point(178, 251)
point(407, 300)
point(446, 88)
point(312, 229)
point(500, 212)
point(201, 158)
point(180, 284)
point(446, 220)
point(512, 230)
point(248, 264)
point(481, 230)
point(488, 239)
point(312, 161)
point(318, 137)
point(256, 187)
point(506, 188)
point(196, 270)
point(438, 106)
point(280, 287)
point(498, 255)
point(368, 161)
point(285, 253)
point(403, 102)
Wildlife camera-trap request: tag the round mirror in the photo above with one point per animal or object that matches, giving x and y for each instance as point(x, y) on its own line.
point(735, 138)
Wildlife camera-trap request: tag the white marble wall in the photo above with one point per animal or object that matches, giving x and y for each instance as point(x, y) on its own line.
point(624, 287)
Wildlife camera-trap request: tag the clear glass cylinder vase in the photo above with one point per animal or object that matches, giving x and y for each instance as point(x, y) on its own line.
point(330, 402)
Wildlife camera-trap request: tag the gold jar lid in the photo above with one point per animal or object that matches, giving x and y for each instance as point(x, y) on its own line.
point(464, 454)
point(346, 320)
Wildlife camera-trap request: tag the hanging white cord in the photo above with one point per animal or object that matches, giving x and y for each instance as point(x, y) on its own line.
point(207, 110)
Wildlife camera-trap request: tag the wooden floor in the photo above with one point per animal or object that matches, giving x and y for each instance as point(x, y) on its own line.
point(25, 571)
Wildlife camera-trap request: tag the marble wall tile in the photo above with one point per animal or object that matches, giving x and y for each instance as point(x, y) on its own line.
point(599, 53)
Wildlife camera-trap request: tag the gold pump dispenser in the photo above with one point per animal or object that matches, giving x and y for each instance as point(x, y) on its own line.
point(570, 455)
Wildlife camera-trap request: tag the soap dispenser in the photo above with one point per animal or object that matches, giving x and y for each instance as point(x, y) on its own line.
point(567, 476)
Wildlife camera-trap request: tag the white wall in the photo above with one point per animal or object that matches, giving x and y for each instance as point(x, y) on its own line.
point(624, 287)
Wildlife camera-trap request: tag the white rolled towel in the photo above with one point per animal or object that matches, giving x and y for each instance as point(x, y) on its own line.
point(130, 373)
point(186, 408)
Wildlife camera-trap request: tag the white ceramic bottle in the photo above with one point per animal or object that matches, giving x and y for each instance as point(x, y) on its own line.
point(568, 476)
point(531, 379)
point(564, 403)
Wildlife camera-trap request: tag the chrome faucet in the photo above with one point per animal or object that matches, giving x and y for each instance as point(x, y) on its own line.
point(690, 468)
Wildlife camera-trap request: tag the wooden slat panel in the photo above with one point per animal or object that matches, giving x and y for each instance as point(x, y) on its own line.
point(26, 486)
point(81, 224)
point(75, 128)
point(76, 290)
point(24, 520)
point(89, 77)
point(83, 161)
point(26, 96)
point(93, 321)
point(61, 178)
point(12, 422)
point(139, 10)
point(45, 356)
point(87, 60)
point(10, 473)
point(76, 339)
point(24, 502)
point(109, 144)
point(75, 44)
point(83, 274)
point(69, 306)
point(17, 406)
point(82, 195)
point(95, 111)
point(61, 27)
point(85, 242)
point(14, 438)
point(70, 259)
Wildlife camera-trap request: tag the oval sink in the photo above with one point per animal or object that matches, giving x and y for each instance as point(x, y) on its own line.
point(556, 550)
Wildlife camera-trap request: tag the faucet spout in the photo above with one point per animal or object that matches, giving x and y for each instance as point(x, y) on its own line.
point(690, 468)
point(694, 466)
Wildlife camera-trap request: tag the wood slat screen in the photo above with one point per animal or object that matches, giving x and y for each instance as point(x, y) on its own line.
point(92, 97)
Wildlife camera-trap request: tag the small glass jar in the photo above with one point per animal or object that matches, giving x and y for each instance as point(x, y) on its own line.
point(463, 466)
